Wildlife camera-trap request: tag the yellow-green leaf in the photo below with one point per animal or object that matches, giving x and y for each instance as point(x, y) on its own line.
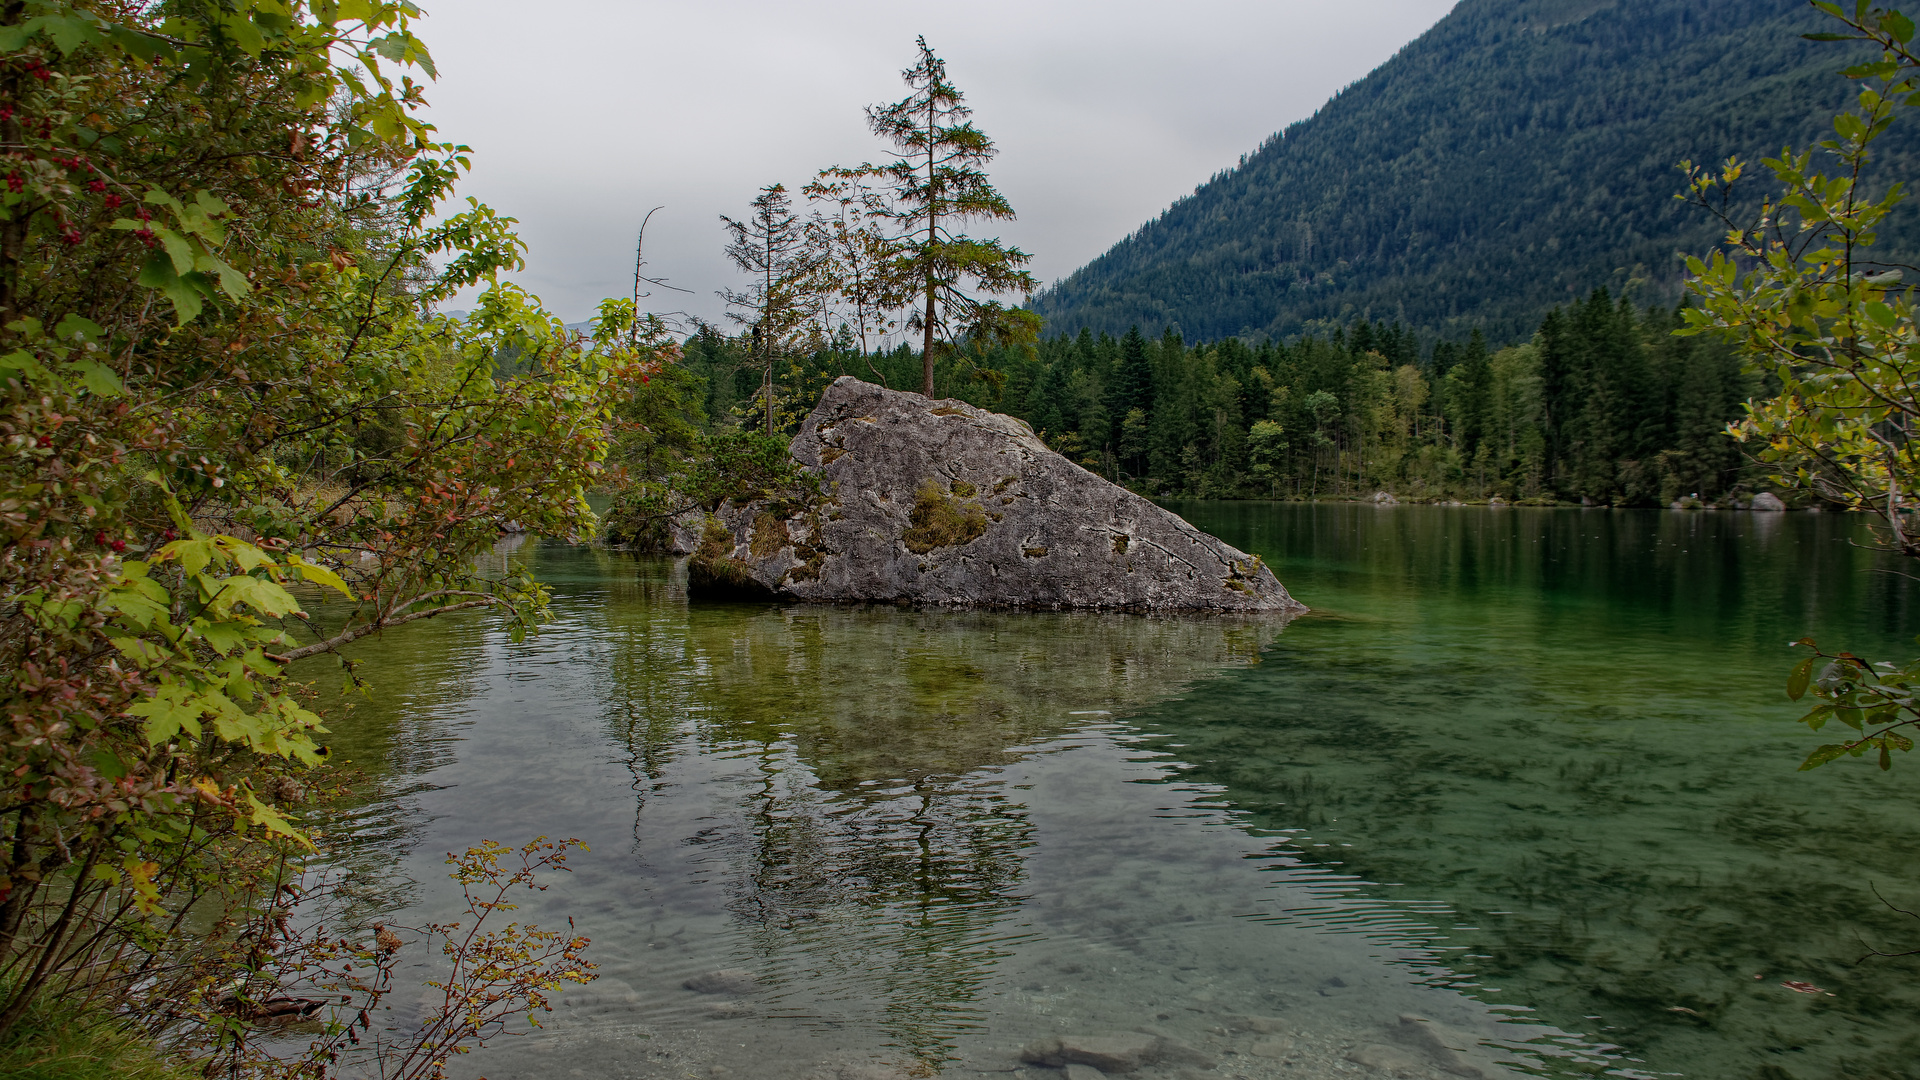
point(168, 712)
point(270, 819)
point(320, 575)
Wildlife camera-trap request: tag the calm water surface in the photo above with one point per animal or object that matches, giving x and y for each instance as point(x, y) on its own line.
point(1525, 773)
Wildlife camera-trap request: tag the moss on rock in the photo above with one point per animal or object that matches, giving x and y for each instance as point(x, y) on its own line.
point(938, 519)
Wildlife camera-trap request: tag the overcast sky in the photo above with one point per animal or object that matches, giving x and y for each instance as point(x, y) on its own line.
point(583, 114)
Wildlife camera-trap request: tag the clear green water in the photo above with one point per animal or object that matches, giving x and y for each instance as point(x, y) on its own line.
point(1527, 773)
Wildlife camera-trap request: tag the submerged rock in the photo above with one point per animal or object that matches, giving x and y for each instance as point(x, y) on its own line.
point(724, 981)
point(1768, 502)
point(938, 502)
point(1389, 1059)
point(1453, 1050)
point(1271, 1048)
point(1122, 1052)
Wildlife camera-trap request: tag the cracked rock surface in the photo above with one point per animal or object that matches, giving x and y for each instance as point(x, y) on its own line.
point(939, 502)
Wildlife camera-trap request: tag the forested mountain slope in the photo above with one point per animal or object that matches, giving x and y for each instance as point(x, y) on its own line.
point(1517, 155)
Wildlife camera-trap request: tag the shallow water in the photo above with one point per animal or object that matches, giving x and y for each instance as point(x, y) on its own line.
point(1525, 773)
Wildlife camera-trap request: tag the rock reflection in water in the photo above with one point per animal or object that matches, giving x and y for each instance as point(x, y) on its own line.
point(867, 854)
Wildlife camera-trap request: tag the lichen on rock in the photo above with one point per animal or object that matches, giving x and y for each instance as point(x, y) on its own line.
point(940, 502)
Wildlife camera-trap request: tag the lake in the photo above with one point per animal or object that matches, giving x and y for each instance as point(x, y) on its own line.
point(1523, 784)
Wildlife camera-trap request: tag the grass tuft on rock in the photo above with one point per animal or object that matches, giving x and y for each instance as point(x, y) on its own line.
point(941, 520)
point(769, 536)
point(713, 571)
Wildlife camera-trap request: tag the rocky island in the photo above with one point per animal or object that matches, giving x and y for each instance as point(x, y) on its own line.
point(940, 502)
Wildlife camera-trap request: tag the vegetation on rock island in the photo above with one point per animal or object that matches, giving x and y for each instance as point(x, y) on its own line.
point(879, 253)
point(238, 435)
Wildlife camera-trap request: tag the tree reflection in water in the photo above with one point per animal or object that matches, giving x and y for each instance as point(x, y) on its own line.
point(874, 855)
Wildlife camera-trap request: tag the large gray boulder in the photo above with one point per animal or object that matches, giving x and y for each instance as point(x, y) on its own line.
point(938, 502)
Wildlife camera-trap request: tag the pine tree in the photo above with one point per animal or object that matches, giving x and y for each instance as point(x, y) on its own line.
point(937, 184)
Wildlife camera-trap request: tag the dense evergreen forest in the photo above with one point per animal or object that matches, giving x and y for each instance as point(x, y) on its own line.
point(1603, 405)
point(1510, 159)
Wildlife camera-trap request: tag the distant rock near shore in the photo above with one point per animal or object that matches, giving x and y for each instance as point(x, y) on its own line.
point(939, 502)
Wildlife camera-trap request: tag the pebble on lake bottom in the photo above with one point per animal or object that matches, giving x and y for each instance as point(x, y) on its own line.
point(1271, 1048)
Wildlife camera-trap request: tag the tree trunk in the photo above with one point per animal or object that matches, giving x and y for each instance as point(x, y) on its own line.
point(933, 237)
point(926, 346)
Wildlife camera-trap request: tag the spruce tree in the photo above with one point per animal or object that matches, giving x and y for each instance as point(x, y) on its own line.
point(1469, 389)
point(1046, 408)
point(937, 184)
point(1560, 357)
point(1133, 380)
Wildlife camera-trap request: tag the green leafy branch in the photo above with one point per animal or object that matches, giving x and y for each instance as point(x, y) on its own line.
point(1875, 700)
point(1795, 286)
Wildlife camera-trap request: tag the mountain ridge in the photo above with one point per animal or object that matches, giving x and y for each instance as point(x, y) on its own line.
point(1516, 155)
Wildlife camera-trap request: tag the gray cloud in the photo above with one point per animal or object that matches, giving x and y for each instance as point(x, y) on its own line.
point(585, 114)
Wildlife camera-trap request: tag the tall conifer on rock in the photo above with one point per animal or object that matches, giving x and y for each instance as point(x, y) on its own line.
point(937, 184)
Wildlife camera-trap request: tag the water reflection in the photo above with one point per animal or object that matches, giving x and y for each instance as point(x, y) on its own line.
point(817, 796)
point(1536, 758)
point(869, 835)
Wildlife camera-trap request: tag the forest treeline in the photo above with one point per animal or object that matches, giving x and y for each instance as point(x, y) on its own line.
point(1604, 405)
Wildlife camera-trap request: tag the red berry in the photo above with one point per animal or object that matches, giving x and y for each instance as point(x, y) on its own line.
point(15, 183)
point(46, 440)
point(169, 535)
point(112, 201)
point(119, 546)
point(100, 538)
point(96, 186)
